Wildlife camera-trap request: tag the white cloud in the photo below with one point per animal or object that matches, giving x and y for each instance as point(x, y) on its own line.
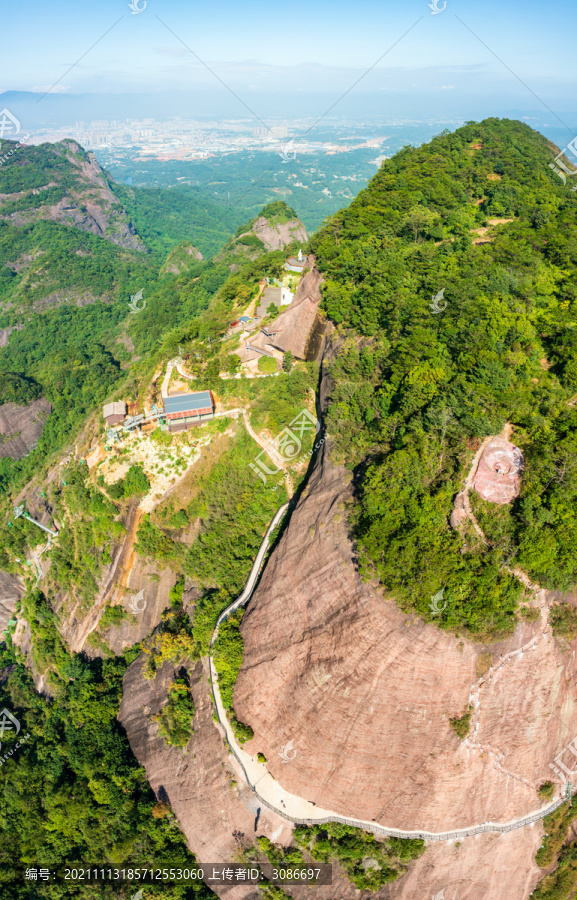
point(45, 88)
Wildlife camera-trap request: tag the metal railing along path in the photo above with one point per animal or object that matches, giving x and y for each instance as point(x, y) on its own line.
point(376, 828)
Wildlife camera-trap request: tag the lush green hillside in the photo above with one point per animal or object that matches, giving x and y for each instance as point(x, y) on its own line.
point(70, 289)
point(165, 217)
point(416, 389)
point(73, 794)
point(44, 264)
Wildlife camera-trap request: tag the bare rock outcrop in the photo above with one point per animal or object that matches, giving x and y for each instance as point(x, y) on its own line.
point(486, 867)
point(366, 692)
point(215, 809)
point(11, 590)
point(292, 330)
point(180, 259)
point(498, 475)
point(217, 812)
point(21, 427)
point(144, 599)
point(459, 513)
point(89, 203)
point(6, 332)
point(276, 235)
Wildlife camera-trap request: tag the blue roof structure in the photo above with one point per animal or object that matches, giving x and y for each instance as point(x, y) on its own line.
point(244, 319)
point(187, 402)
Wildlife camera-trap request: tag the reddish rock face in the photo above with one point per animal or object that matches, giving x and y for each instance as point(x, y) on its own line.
point(498, 475)
point(21, 427)
point(365, 693)
point(217, 812)
point(276, 236)
point(292, 328)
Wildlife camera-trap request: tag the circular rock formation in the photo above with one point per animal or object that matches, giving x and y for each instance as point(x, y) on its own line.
point(497, 478)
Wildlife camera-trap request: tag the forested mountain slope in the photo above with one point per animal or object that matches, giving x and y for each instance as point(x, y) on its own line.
point(422, 376)
point(450, 300)
point(63, 183)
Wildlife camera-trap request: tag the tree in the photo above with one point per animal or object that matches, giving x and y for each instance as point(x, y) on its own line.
point(419, 219)
point(267, 365)
point(288, 361)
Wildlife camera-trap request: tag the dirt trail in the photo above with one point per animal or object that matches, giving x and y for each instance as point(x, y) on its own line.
point(118, 574)
point(476, 695)
point(279, 461)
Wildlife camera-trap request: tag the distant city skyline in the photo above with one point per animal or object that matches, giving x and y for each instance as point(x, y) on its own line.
point(265, 59)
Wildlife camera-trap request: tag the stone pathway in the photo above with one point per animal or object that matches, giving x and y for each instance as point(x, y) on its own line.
point(300, 811)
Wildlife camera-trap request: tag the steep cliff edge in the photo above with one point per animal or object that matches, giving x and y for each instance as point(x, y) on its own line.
point(366, 692)
point(74, 191)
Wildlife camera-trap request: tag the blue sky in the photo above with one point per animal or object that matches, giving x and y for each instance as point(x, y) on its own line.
point(319, 48)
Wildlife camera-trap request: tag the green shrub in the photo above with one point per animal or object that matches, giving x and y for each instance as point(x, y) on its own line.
point(179, 519)
point(176, 592)
point(134, 483)
point(546, 790)
point(173, 642)
point(556, 825)
point(267, 365)
point(175, 718)
point(164, 438)
point(242, 732)
point(530, 613)
point(112, 615)
point(461, 725)
point(353, 848)
point(563, 618)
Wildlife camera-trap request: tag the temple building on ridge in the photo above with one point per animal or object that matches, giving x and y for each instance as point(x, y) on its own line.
point(185, 410)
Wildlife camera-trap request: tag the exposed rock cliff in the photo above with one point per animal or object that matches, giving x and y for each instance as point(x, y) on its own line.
point(77, 193)
point(21, 427)
point(217, 812)
point(201, 783)
point(278, 235)
point(181, 258)
point(366, 693)
point(292, 330)
point(274, 228)
point(11, 589)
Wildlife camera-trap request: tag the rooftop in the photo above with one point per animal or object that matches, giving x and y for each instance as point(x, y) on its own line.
point(187, 402)
point(118, 408)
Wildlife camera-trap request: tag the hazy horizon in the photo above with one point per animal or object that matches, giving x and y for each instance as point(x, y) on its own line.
point(469, 61)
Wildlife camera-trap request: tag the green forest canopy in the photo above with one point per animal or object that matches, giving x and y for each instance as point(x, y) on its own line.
point(416, 391)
